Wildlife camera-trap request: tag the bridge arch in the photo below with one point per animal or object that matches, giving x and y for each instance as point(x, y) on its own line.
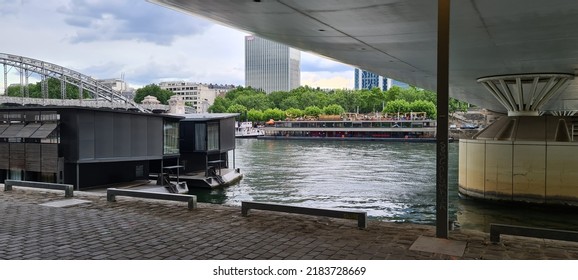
point(101, 95)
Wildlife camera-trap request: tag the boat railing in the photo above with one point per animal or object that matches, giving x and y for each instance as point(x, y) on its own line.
point(356, 124)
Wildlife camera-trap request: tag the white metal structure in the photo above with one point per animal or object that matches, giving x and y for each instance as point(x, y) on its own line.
point(524, 95)
point(98, 91)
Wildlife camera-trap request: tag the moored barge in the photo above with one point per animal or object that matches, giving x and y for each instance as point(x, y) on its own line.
point(411, 130)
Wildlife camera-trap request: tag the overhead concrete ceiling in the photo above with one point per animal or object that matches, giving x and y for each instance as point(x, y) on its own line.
point(397, 38)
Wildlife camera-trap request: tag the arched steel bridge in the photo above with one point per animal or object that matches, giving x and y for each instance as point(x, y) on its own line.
point(101, 95)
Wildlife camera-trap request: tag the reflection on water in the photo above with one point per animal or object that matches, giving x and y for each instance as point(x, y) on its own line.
point(215, 196)
point(391, 181)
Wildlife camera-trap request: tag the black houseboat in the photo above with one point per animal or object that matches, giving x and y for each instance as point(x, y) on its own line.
point(84, 147)
point(98, 148)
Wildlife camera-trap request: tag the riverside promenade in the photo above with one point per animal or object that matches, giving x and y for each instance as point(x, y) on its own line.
point(36, 226)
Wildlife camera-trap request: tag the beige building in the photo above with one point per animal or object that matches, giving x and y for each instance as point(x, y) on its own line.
point(119, 85)
point(196, 95)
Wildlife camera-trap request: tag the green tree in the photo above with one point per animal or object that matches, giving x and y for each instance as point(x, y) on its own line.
point(274, 114)
point(258, 101)
point(424, 106)
point(255, 115)
point(294, 113)
point(428, 96)
point(238, 108)
point(54, 91)
point(72, 92)
point(14, 90)
point(347, 99)
point(290, 102)
point(313, 98)
point(457, 106)
point(241, 91)
point(394, 93)
point(162, 95)
point(35, 90)
point(277, 97)
point(371, 100)
point(333, 109)
point(220, 105)
point(396, 106)
point(410, 94)
point(313, 111)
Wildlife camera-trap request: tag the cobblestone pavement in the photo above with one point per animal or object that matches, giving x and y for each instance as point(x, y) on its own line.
point(145, 229)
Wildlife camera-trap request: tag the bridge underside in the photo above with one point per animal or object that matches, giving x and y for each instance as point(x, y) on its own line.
point(516, 57)
point(398, 38)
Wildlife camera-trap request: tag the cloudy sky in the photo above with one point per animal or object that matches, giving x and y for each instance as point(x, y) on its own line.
point(142, 41)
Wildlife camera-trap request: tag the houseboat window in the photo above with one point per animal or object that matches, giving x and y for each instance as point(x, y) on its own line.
point(212, 136)
point(139, 171)
point(200, 137)
point(48, 177)
point(15, 174)
point(53, 137)
point(171, 137)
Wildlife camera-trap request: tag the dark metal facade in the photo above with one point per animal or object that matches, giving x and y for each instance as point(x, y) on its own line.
point(90, 147)
point(205, 140)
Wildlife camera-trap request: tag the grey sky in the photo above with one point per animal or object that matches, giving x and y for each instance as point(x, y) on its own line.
point(142, 41)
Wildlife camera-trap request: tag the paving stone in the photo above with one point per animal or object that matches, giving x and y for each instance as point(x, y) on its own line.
point(144, 229)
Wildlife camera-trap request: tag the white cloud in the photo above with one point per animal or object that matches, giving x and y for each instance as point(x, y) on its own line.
point(145, 42)
point(128, 20)
point(328, 80)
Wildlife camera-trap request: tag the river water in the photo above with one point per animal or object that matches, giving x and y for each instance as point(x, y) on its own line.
point(391, 181)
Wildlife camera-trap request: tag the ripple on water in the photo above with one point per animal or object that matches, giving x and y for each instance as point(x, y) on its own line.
point(385, 179)
point(391, 181)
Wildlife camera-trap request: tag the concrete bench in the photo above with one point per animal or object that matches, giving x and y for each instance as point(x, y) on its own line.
point(360, 216)
point(497, 229)
point(112, 193)
point(68, 189)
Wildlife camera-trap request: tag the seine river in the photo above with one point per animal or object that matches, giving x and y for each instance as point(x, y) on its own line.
point(391, 181)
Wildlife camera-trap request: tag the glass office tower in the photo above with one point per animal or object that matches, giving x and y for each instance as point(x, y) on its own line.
point(271, 66)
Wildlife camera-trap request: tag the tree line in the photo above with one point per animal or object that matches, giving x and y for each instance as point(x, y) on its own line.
point(53, 90)
point(255, 105)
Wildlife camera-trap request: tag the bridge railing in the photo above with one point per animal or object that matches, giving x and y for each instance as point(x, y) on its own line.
point(78, 102)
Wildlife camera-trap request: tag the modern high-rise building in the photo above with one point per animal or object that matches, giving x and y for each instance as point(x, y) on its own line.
point(367, 80)
point(271, 66)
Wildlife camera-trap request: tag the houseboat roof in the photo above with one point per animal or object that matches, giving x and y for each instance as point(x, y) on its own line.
point(208, 116)
point(70, 108)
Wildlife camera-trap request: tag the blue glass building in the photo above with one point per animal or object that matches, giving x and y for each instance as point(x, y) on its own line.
point(367, 80)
